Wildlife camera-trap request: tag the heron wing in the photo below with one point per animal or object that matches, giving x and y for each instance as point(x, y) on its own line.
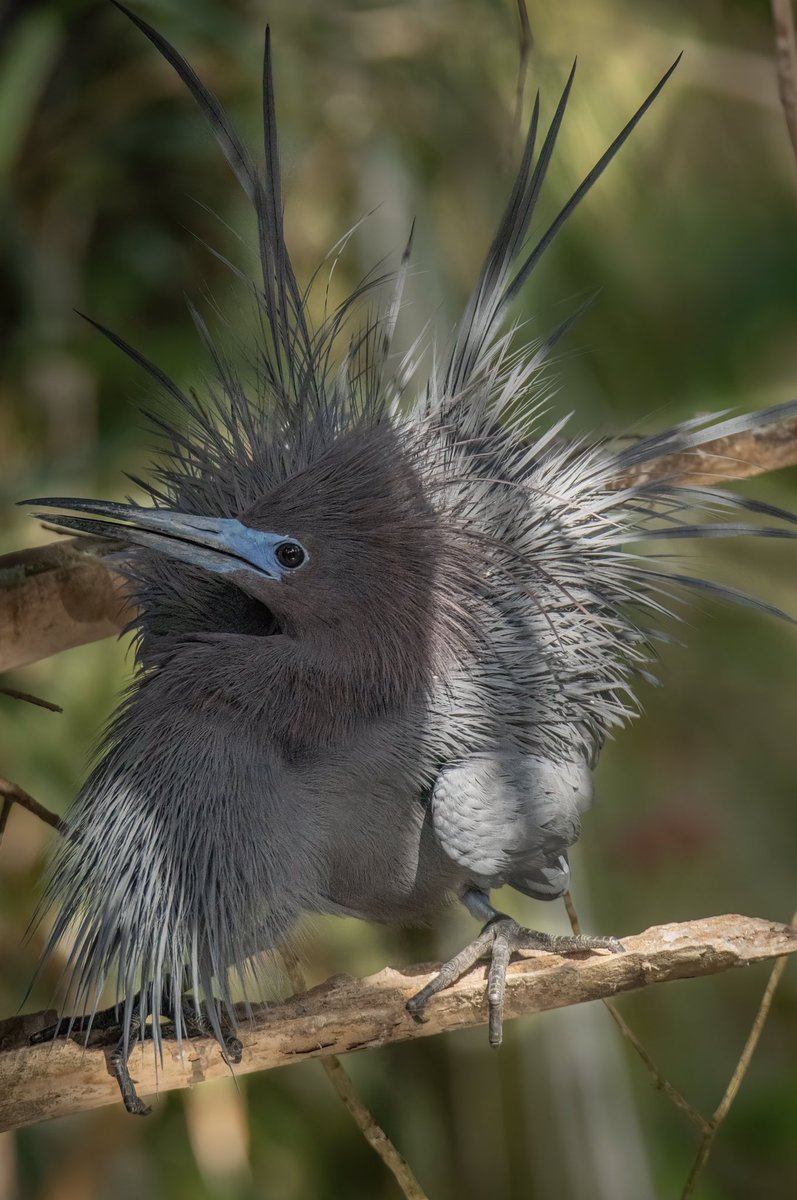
point(509, 818)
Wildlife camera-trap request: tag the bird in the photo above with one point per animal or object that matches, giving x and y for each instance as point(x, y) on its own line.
point(388, 612)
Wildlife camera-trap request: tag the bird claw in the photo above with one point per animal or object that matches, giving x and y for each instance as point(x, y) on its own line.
point(500, 938)
point(232, 1050)
point(109, 1018)
point(48, 1034)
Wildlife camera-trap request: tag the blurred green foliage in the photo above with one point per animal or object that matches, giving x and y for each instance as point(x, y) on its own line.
point(109, 186)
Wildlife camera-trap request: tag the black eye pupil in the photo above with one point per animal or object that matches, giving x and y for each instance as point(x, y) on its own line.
point(290, 554)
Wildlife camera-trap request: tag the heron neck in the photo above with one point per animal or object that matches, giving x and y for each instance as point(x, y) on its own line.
point(305, 694)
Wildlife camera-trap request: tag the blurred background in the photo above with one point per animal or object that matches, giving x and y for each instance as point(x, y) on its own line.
point(109, 187)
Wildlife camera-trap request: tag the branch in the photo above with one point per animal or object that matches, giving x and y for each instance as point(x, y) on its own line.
point(742, 456)
point(63, 595)
point(365, 1121)
point(58, 596)
point(661, 1082)
point(12, 793)
point(28, 698)
point(343, 1014)
point(742, 1066)
point(786, 64)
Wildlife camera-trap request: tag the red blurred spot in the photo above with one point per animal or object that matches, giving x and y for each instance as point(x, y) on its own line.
point(665, 839)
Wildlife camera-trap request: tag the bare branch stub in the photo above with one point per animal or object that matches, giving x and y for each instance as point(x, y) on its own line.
point(29, 698)
point(58, 596)
point(12, 793)
point(344, 1014)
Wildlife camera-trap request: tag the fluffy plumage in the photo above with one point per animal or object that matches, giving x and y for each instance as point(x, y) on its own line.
point(416, 710)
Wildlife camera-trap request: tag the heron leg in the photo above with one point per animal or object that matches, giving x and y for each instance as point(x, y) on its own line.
point(500, 938)
point(120, 1059)
point(195, 1023)
point(106, 1018)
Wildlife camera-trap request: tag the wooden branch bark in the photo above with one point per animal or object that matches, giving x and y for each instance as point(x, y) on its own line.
point(739, 457)
point(65, 594)
point(345, 1014)
point(786, 64)
point(58, 596)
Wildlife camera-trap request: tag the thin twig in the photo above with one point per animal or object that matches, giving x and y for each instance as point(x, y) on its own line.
point(15, 694)
point(14, 794)
point(662, 1083)
point(342, 1082)
point(709, 1126)
point(786, 64)
point(742, 1066)
point(373, 1133)
point(572, 915)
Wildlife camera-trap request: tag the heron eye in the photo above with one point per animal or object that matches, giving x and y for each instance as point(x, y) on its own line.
point(290, 555)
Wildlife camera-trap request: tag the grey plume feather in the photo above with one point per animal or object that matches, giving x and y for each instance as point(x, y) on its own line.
point(380, 645)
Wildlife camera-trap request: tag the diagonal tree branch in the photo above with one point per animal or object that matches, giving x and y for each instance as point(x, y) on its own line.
point(740, 1070)
point(66, 594)
point(55, 597)
point(365, 1121)
point(786, 64)
point(662, 1083)
point(343, 1014)
point(741, 456)
point(12, 793)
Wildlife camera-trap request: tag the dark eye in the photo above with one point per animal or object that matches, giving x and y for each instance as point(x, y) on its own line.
point(290, 555)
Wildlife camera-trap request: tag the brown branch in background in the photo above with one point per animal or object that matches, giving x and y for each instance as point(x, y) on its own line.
point(371, 1131)
point(15, 694)
point(62, 595)
point(341, 1081)
point(13, 794)
point(741, 456)
point(58, 596)
point(661, 1082)
point(732, 1090)
point(343, 1015)
point(786, 64)
point(709, 1126)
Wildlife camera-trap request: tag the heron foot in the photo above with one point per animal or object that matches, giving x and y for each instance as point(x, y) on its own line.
point(500, 938)
point(194, 1024)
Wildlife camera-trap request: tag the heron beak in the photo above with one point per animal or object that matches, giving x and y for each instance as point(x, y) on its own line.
point(221, 545)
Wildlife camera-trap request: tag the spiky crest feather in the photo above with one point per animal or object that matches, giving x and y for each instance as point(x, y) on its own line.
point(541, 620)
